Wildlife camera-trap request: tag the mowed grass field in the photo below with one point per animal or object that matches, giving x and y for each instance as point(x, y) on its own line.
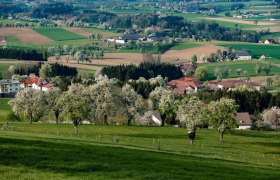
point(185, 45)
point(49, 151)
point(256, 50)
point(58, 34)
point(5, 109)
point(248, 66)
point(88, 72)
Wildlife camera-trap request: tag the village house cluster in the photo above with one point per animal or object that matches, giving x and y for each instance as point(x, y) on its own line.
point(9, 87)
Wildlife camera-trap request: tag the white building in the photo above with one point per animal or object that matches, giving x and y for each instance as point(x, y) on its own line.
point(240, 55)
point(9, 86)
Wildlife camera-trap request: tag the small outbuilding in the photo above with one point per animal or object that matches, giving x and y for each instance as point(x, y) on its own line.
point(242, 55)
point(243, 120)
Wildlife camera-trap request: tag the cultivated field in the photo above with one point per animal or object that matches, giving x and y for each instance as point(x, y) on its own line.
point(186, 54)
point(113, 59)
point(79, 31)
point(242, 21)
point(25, 35)
point(48, 151)
point(58, 34)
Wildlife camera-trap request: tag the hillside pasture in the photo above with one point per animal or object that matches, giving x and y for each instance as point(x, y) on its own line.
point(248, 66)
point(49, 151)
point(5, 109)
point(256, 50)
point(58, 34)
point(25, 35)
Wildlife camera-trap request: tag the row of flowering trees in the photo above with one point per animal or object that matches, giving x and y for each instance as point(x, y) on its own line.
point(104, 99)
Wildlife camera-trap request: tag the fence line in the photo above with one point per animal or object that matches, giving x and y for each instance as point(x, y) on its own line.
point(159, 144)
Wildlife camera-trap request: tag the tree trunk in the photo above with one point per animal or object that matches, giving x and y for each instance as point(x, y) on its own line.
point(105, 120)
point(162, 120)
point(191, 136)
point(129, 121)
point(56, 116)
point(222, 136)
point(30, 119)
point(75, 125)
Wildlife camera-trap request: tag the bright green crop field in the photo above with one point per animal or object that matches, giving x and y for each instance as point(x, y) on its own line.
point(49, 151)
point(58, 34)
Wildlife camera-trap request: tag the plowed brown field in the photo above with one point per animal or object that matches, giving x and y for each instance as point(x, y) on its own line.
point(25, 35)
point(79, 31)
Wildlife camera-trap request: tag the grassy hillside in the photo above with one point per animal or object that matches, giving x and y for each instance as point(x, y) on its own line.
point(185, 45)
point(40, 153)
point(4, 108)
point(58, 34)
point(256, 50)
point(248, 66)
point(88, 72)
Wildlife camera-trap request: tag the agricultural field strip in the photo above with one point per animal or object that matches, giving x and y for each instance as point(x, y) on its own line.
point(58, 34)
point(25, 35)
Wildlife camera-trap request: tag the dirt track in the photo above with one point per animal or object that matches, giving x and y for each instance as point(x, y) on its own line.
point(242, 21)
point(25, 35)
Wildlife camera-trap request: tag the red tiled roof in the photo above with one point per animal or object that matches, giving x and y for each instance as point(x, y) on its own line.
point(179, 85)
point(48, 85)
point(34, 80)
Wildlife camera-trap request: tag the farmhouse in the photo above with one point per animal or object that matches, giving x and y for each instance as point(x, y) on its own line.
point(241, 55)
point(128, 37)
point(185, 85)
point(38, 83)
point(8, 86)
point(243, 120)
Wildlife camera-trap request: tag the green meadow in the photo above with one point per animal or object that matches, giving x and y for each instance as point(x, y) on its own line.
point(58, 34)
point(185, 45)
point(15, 43)
point(88, 72)
point(248, 66)
point(5, 109)
point(103, 32)
point(256, 50)
point(49, 151)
